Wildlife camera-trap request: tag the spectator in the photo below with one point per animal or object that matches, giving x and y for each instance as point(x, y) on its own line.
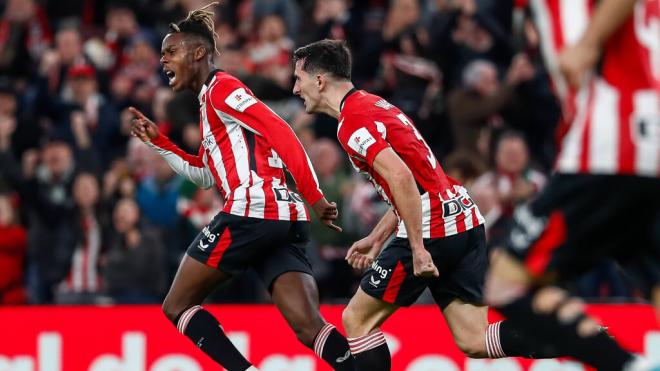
point(83, 104)
point(26, 36)
point(134, 269)
point(511, 182)
point(13, 248)
point(82, 284)
point(479, 106)
point(56, 62)
point(271, 53)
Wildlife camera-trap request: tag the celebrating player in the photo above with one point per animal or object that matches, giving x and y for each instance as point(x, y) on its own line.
point(440, 242)
point(263, 224)
point(604, 200)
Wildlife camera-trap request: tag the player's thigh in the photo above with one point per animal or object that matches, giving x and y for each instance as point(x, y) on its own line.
point(365, 313)
point(468, 323)
point(193, 282)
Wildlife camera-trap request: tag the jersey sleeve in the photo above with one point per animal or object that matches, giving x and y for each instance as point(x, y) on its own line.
point(231, 97)
point(183, 163)
point(361, 138)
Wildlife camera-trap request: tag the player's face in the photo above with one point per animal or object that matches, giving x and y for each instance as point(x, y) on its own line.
point(306, 87)
point(176, 61)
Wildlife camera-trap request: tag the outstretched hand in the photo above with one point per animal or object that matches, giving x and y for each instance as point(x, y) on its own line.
point(142, 127)
point(327, 212)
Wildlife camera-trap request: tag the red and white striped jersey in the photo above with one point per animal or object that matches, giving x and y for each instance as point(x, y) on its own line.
point(367, 125)
point(614, 118)
point(245, 147)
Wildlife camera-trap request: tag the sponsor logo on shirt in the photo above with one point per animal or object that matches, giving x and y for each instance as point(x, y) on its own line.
point(361, 140)
point(240, 100)
point(384, 104)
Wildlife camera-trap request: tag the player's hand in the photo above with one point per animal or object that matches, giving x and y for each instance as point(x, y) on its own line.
point(327, 213)
point(363, 252)
point(423, 264)
point(142, 127)
point(576, 61)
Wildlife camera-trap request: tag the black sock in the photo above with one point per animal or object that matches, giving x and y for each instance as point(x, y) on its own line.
point(205, 331)
point(370, 352)
point(599, 350)
point(332, 347)
point(503, 339)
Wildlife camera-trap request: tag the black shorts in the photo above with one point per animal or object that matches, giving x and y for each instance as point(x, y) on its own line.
point(461, 259)
point(578, 221)
point(233, 244)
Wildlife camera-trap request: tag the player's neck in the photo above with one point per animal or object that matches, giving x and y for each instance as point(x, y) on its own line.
point(335, 97)
point(201, 76)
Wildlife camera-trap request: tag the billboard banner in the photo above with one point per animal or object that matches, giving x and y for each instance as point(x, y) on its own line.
point(140, 338)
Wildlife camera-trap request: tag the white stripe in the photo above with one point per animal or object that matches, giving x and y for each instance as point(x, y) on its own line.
point(646, 105)
point(548, 48)
point(604, 130)
point(282, 206)
point(569, 158)
point(489, 348)
point(77, 269)
point(93, 249)
point(300, 208)
point(498, 344)
point(257, 197)
point(574, 18)
point(372, 343)
point(360, 341)
point(426, 216)
point(215, 153)
point(321, 338)
point(185, 318)
point(240, 202)
point(239, 146)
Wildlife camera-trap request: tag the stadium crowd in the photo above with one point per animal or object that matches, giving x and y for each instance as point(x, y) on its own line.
point(90, 215)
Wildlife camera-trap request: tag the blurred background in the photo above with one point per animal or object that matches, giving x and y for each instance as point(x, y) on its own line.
point(89, 215)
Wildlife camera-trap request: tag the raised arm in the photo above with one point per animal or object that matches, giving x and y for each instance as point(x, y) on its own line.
point(184, 164)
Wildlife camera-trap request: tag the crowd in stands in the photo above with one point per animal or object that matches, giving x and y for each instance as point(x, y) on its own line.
point(89, 214)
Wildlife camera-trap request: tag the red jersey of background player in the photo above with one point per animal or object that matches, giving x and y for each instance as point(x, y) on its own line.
point(615, 128)
point(245, 146)
point(369, 124)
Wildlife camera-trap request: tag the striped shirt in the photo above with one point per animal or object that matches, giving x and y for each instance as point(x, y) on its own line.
point(614, 117)
point(367, 125)
point(245, 147)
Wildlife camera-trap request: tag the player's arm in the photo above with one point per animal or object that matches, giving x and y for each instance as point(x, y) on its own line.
point(609, 15)
point(255, 116)
point(408, 201)
point(363, 252)
point(184, 164)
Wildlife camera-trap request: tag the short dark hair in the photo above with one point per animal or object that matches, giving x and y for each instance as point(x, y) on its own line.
point(330, 56)
point(199, 22)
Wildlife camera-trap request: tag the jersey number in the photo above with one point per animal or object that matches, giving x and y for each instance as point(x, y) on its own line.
point(407, 122)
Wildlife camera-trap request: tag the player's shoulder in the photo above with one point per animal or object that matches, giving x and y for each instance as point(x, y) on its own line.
point(228, 90)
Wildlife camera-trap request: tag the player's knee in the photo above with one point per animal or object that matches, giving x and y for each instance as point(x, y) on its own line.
point(306, 330)
point(350, 322)
point(171, 310)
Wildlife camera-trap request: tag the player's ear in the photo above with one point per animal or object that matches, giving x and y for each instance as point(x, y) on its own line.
point(321, 81)
point(199, 52)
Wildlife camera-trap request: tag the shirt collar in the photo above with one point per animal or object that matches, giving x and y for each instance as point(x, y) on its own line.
point(343, 100)
point(207, 83)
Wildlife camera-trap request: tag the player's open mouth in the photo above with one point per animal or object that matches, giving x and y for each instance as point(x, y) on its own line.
point(171, 76)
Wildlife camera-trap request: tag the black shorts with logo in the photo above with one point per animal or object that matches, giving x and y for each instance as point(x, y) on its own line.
point(233, 244)
point(461, 259)
point(579, 220)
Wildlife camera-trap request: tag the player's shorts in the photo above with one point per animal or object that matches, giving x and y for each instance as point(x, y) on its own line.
point(579, 220)
point(232, 244)
point(461, 259)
